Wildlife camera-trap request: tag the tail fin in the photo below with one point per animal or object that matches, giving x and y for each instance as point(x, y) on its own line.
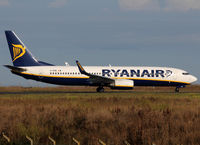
point(20, 55)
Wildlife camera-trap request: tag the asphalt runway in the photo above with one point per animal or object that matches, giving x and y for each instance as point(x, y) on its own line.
point(85, 92)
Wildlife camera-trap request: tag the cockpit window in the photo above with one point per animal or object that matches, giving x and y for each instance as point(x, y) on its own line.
point(185, 73)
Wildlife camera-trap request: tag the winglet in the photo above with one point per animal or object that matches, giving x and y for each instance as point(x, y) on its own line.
point(81, 69)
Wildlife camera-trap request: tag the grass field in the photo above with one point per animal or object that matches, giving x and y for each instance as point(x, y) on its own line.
point(144, 116)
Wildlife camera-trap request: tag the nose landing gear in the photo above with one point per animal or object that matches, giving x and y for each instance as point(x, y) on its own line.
point(100, 89)
point(177, 88)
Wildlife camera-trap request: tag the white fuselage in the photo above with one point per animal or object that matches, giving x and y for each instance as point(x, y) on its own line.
point(142, 76)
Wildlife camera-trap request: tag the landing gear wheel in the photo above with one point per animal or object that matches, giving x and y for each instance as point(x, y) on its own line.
point(177, 90)
point(100, 89)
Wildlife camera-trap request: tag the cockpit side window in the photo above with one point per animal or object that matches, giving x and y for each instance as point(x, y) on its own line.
point(185, 73)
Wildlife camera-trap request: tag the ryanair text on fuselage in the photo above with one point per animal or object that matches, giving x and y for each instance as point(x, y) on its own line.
point(135, 73)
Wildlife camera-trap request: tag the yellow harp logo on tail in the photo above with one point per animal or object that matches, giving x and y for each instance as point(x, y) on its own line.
point(18, 51)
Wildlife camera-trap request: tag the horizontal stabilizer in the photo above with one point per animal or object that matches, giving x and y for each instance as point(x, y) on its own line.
point(13, 68)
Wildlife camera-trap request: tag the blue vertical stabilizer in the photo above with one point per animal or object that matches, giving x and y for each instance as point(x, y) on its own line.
point(20, 55)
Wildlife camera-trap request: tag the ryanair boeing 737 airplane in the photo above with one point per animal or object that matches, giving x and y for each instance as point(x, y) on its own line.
point(115, 77)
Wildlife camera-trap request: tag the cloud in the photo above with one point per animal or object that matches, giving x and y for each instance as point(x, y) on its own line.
point(139, 4)
point(57, 3)
point(4, 3)
point(182, 5)
point(167, 5)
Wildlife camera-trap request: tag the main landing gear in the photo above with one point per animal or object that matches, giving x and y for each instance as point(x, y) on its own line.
point(100, 89)
point(177, 89)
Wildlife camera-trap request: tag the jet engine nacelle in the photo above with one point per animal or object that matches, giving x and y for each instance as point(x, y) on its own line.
point(122, 84)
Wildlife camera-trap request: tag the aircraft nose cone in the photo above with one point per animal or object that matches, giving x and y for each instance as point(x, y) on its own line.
point(193, 79)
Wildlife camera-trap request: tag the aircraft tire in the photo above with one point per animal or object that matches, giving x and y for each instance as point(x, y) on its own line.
point(100, 89)
point(177, 90)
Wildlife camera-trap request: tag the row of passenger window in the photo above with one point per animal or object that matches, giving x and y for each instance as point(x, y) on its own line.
point(69, 73)
point(64, 73)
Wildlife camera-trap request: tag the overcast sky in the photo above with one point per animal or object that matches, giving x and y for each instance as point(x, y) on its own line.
point(102, 32)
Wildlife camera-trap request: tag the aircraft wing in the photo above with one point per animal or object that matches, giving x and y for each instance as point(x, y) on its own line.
point(95, 78)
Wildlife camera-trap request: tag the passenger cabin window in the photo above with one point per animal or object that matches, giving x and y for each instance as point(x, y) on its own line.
point(186, 73)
